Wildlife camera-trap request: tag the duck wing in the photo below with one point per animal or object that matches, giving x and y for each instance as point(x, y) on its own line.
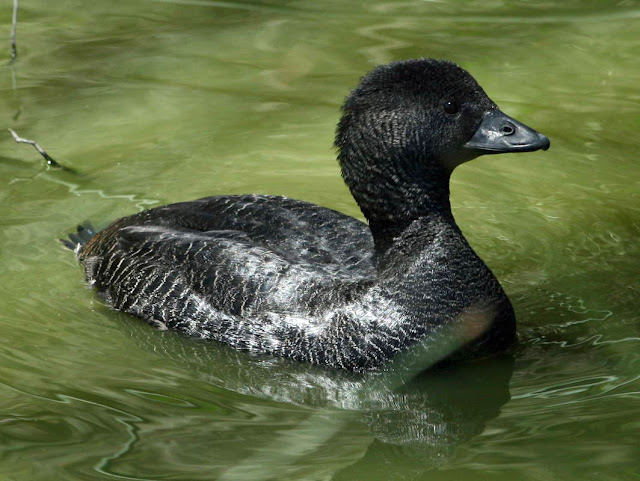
point(244, 254)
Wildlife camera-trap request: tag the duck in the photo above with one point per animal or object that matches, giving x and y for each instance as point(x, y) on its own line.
point(280, 277)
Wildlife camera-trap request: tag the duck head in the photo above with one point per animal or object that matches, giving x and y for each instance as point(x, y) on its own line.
point(407, 126)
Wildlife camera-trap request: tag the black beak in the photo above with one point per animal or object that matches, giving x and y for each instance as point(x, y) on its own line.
point(498, 133)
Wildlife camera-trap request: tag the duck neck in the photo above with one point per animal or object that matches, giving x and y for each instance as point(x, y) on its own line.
point(392, 204)
point(385, 233)
point(395, 175)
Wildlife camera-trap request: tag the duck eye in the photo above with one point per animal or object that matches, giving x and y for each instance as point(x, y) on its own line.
point(451, 107)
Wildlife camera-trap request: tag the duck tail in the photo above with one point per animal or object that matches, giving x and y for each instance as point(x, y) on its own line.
point(77, 241)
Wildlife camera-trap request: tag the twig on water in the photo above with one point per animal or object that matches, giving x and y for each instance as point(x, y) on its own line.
point(16, 95)
point(51, 162)
point(14, 25)
point(14, 56)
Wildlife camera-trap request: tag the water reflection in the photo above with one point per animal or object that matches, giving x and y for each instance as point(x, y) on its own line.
point(418, 422)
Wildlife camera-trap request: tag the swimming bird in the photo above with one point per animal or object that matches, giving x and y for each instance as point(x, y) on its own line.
point(277, 276)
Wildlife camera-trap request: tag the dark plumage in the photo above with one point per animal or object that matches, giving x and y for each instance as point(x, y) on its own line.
point(284, 277)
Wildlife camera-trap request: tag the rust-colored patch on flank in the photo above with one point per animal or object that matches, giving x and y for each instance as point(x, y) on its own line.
point(474, 322)
point(98, 243)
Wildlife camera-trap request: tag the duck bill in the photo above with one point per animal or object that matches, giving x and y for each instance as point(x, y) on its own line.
point(498, 133)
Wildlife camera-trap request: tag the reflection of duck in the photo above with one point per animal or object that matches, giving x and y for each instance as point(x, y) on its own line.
point(327, 420)
point(438, 411)
point(279, 276)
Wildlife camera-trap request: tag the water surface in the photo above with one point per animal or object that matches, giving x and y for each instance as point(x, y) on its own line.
point(162, 101)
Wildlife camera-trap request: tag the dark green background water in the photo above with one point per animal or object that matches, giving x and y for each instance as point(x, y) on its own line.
point(162, 101)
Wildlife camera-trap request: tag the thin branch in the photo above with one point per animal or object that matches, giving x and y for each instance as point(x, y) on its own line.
point(16, 95)
point(14, 25)
point(50, 160)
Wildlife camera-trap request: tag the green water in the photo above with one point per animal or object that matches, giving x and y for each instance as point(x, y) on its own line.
point(162, 101)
